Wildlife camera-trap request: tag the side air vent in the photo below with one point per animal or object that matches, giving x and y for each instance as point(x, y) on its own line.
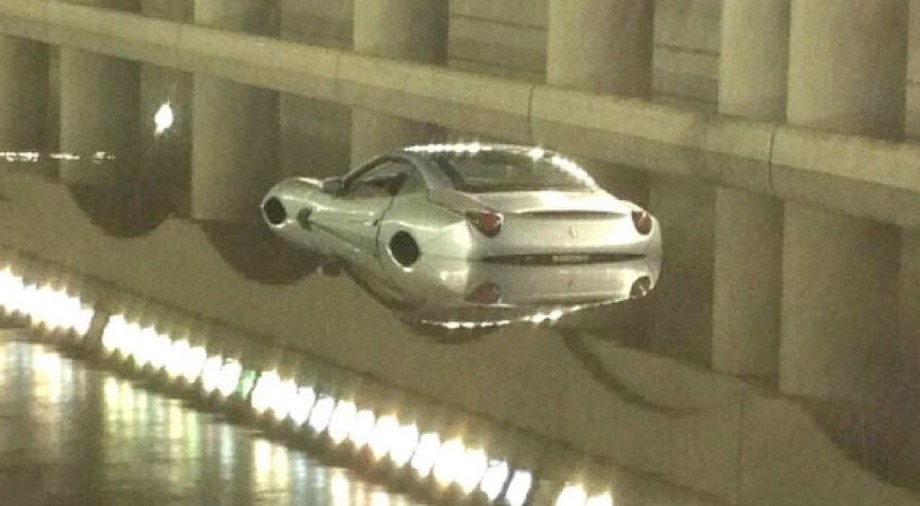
point(274, 211)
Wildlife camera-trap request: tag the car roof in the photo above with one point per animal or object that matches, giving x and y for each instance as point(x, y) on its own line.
point(422, 157)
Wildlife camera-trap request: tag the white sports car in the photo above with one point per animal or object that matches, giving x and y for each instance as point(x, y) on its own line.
point(486, 202)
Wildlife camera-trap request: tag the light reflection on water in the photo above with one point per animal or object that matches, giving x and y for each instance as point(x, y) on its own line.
point(130, 439)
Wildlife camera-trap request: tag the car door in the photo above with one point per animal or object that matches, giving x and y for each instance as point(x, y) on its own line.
point(354, 216)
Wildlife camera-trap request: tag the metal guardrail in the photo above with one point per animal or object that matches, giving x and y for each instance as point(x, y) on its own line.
point(851, 174)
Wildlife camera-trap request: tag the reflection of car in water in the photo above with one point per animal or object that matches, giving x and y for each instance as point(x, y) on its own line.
point(456, 294)
point(478, 202)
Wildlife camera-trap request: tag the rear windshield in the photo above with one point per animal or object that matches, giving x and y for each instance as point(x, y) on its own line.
point(498, 171)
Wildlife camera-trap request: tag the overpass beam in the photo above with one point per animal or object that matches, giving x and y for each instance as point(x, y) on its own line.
point(23, 98)
point(840, 273)
point(235, 128)
point(748, 227)
point(411, 30)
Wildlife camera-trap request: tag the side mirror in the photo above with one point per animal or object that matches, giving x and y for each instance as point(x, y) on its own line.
point(333, 186)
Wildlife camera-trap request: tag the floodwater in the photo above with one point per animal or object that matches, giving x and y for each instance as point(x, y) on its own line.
point(75, 434)
point(615, 387)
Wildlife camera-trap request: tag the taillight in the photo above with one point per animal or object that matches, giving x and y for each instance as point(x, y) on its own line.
point(487, 293)
point(640, 287)
point(642, 221)
point(489, 223)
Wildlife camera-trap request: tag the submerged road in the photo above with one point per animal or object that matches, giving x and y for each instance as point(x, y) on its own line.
point(74, 435)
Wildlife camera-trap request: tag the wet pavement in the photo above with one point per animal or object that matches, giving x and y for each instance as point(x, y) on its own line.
point(74, 434)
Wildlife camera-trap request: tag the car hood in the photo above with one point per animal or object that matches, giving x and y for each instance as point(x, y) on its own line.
point(552, 201)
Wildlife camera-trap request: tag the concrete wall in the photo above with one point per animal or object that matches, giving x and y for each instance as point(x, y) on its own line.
point(500, 37)
point(912, 122)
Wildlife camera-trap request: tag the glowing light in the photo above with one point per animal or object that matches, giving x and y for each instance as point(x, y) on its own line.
point(22, 156)
point(321, 414)
point(404, 444)
point(536, 153)
point(163, 119)
point(519, 488)
point(67, 157)
point(362, 428)
point(471, 472)
point(302, 405)
point(573, 169)
point(177, 357)
point(426, 454)
point(494, 478)
point(572, 495)
point(112, 333)
point(605, 499)
point(229, 378)
point(471, 148)
point(101, 156)
point(450, 461)
point(342, 417)
point(162, 346)
point(210, 374)
point(261, 400)
point(382, 437)
point(285, 392)
point(194, 363)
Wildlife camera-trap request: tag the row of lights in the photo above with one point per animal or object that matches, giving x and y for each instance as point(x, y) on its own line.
point(384, 435)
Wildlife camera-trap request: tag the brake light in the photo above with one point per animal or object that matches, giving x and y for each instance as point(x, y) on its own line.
point(642, 222)
point(487, 293)
point(489, 223)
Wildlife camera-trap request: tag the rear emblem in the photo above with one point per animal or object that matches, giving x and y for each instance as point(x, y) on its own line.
point(572, 232)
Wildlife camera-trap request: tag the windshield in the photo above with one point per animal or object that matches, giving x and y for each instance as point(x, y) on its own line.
point(503, 170)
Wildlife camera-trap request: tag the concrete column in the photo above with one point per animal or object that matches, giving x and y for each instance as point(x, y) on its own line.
point(23, 93)
point(912, 120)
point(680, 307)
point(747, 280)
point(604, 47)
point(167, 154)
point(98, 109)
point(852, 84)
point(235, 128)
point(601, 45)
point(413, 30)
point(840, 273)
point(909, 294)
point(315, 135)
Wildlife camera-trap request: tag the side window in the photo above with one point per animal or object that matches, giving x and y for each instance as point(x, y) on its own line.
point(411, 182)
point(384, 180)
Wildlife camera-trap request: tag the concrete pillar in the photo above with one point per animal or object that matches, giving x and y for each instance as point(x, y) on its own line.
point(167, 154)
point(747, 280)
point(852, 84)
point(235, 128)
point(413, 30)
point(603, 46)
point(680, 307)
point(912, 120)
point(315, 135)
point(840, 273)
point(909, 294)
point(23, 93)
point(98, 109)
